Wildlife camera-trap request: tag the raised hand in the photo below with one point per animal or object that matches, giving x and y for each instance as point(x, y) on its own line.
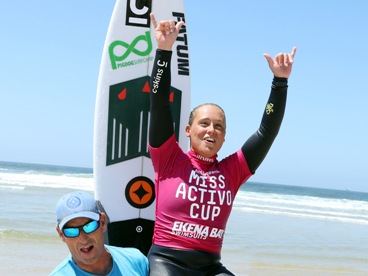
point(166, 32)
point(281, 64)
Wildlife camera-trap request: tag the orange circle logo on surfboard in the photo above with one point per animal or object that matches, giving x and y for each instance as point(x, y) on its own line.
point(140, 192)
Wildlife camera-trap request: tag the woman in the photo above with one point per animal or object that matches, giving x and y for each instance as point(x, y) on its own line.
point(195, 191)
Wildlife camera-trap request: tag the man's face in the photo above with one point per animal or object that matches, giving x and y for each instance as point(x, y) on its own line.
point(86, 249)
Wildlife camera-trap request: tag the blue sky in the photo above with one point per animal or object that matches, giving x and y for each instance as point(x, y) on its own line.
point(51, 51)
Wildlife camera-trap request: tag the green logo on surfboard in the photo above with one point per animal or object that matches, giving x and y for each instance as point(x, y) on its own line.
point(128, 119)
point(117, 60)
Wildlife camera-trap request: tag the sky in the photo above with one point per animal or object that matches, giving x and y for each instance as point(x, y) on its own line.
point(50, 53)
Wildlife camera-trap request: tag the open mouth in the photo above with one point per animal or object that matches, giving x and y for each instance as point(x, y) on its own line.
point(87, 249)
point(210, 140)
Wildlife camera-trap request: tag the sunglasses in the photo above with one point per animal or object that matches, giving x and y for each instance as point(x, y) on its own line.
point(73, 232)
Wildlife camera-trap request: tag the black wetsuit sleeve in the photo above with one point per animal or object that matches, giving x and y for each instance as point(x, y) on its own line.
point(257, 146)
point(161, 122)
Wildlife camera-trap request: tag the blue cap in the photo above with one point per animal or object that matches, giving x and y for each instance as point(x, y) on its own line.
point(77, 204)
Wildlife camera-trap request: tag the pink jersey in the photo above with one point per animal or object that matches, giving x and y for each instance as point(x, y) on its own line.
point(194, 196)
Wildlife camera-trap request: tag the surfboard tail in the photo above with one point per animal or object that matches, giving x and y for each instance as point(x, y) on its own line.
point(136, 233)
point(132, 233)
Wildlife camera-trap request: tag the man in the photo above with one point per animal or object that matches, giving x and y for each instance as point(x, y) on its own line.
point(81, 225)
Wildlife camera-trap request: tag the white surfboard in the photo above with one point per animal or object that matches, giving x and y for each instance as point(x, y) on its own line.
point(123, 172)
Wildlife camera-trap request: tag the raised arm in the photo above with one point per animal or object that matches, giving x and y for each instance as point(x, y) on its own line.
point(257, 146)
point(161, 122)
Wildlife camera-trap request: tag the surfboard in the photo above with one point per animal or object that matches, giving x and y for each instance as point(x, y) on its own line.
point(123, 172)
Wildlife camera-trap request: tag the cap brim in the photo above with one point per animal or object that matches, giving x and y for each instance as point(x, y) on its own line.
point(90, 215)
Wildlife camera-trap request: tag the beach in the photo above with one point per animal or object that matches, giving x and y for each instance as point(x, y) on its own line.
point(262, 244)
point(242, 254)
point(272, 230)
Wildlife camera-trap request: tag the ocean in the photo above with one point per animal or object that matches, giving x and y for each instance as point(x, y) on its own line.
point(273, 230)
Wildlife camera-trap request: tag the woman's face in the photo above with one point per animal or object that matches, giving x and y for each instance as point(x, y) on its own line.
point(207, 132)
